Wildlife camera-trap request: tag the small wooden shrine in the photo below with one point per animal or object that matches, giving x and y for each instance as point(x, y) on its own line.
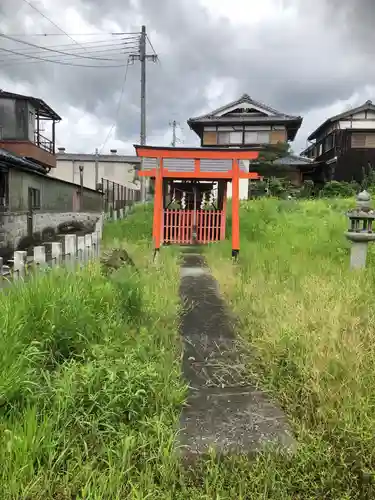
point(191, 192)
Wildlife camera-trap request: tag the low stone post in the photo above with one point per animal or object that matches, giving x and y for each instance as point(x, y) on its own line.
point(80, 249)
point(99, 226)
point(19, 264)
point(54, 251)
point(39, 256)
point(360, 231)
point(95, 245)
point(88, 247)
point(70, 250)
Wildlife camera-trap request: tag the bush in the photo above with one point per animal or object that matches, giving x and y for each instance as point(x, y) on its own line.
point(276, 187)
point(336, 189)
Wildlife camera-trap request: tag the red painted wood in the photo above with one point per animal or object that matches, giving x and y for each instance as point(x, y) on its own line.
point(179, 226)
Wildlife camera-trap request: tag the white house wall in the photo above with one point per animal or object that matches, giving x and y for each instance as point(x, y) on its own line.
point(243, 184)
point(244, 189)
point(367, 124)
point(119, 172)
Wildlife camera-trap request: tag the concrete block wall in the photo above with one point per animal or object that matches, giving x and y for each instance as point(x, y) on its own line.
point(13, 226)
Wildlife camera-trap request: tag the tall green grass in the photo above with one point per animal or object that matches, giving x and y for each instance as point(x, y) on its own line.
point(309, 323)
point(90, 380)
point(90, 387)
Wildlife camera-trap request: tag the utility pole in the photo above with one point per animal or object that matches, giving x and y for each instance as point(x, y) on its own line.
point(174, 136)
point(175, 139)
point(96, 168)
point(143, 57)
point(80, 188)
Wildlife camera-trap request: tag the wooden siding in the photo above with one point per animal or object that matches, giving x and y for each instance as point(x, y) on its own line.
point(363, 140)
point(209, 138)
point(278, 136)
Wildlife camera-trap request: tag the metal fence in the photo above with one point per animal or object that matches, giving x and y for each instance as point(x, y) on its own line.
point(117, 196)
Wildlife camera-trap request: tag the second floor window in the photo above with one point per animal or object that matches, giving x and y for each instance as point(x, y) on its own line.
point(257, 137)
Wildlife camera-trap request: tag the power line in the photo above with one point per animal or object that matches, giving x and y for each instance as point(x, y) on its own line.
point(2, 35)
point(50, 20)
point(118, 106)
point(76, 34)
point(102, 43)
point(118, 48)
point(61, 62)
point(117, 57)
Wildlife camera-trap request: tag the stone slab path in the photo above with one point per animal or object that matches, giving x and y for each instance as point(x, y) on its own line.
point(223, 411)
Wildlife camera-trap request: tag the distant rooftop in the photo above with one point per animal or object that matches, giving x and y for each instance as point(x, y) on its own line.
point(368, 105)
point(102, 157)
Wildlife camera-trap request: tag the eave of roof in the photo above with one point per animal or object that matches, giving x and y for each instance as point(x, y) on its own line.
point(21, 162)
point(36, 102)
point(245, 98)
point(245, 119)
point(368, 105)
point(293, 160)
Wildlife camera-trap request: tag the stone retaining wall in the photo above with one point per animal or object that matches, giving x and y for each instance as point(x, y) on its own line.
point(13, 225)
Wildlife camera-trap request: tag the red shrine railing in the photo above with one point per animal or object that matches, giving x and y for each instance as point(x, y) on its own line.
point(178, 226)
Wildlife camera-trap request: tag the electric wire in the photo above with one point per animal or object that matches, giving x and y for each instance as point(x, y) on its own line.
point(112, 54)
point(118, 106)
point(111, 51)
point(88, 46)
point(76, 34)
point(50, 20)
point(62, 62)
point(47, 49)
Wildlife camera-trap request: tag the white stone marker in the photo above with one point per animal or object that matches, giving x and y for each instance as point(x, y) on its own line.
point(39, 256)
point(54, 249)
point(19, 264)
point(80, 249)
point(88, 247)
point(70, 250)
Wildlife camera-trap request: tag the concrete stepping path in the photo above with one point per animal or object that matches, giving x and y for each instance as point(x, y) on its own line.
point(223, 411)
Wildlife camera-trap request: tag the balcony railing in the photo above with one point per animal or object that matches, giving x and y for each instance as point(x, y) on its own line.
point(44, 143)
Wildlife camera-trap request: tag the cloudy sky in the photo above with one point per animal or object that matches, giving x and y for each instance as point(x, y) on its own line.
point(313, 58)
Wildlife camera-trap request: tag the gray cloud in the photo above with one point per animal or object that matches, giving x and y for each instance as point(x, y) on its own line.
point(294, 65)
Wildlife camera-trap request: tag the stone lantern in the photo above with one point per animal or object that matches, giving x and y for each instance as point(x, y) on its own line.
point(360, 231)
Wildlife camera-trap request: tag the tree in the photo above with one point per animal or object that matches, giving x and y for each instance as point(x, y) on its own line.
point(265, 164)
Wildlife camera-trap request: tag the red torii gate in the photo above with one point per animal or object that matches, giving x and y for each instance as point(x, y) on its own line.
point(194, 167)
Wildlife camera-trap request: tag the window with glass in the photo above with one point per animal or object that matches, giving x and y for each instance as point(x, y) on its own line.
point(257, 137)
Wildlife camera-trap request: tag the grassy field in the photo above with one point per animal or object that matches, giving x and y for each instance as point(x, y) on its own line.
point(90, 382)
point(90, 392)
point(309, 323)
